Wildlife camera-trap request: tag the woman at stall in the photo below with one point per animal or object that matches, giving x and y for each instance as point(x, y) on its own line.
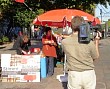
point(49, 49)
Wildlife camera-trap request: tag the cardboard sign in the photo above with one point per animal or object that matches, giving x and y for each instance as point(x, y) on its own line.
point(20, 68)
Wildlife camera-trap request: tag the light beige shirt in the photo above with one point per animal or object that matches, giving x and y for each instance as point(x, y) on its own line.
point(79, 56)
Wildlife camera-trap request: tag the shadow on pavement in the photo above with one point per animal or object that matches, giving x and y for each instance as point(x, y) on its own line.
point(64, 84)
point(2, 47)
point(11, 49)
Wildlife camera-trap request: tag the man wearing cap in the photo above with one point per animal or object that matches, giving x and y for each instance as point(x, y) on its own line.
point(80, 58)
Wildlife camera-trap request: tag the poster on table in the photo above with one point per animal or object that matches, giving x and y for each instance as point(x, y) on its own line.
point(20, 68)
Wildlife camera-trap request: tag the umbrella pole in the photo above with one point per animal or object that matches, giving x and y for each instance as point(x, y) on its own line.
point(30, 10)
point(65, 64)
point(63, 77)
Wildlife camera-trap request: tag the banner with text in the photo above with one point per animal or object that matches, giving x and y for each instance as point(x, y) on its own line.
point(20, 68)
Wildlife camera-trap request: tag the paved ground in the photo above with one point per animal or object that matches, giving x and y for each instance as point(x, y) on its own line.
point(102, 71)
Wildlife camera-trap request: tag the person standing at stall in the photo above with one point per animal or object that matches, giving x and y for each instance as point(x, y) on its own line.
point(49, 50)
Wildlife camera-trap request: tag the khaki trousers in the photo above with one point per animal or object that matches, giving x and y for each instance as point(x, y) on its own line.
point(82, 80)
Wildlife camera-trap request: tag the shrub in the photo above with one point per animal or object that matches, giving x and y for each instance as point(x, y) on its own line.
point(0, 40)
point(5, 39)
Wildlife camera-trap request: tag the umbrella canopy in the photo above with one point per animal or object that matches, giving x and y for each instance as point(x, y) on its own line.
point(60, 17)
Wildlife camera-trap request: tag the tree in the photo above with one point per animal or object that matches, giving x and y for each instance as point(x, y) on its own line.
point(22, 15)
point(5, 6)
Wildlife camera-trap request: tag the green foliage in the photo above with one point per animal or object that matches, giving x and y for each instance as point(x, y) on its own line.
point(24, 18)
point(5, 39)
point(40, 11)
point(5, 5)
point(1, 41)
point(21, 14)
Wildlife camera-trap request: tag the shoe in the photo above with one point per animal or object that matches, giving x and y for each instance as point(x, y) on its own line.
point(49, 75)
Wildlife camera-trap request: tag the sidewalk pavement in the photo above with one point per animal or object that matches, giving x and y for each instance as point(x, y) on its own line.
point(102, 68)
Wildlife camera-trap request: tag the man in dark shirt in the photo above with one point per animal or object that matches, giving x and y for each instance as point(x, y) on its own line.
point(22, 45)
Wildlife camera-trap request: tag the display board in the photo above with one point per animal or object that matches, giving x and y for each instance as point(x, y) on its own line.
point(20, 68)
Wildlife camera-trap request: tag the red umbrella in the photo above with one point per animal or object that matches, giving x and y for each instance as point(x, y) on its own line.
point(61, 23)
point(60, 17)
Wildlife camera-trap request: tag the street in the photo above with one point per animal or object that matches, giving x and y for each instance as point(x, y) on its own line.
point(102, 68)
